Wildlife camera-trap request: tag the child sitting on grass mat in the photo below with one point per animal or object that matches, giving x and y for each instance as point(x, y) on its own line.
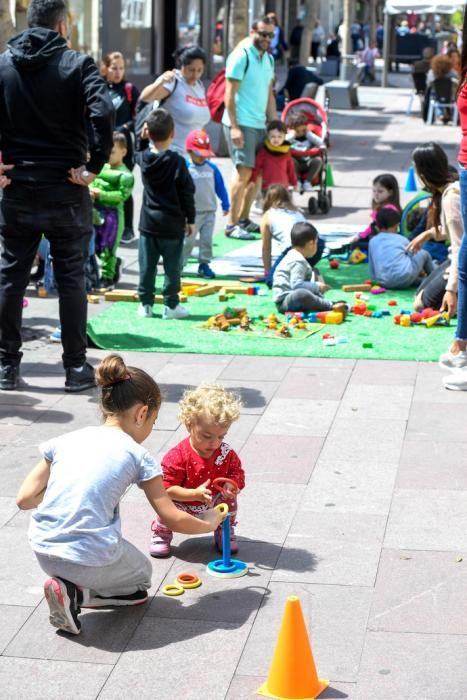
point(77, 487)
point(390, 260)
point(296, 286)
point(189, 468)
point(385, 196)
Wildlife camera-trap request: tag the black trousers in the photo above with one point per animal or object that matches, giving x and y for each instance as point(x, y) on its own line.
point(63, 213)
point(151, 250)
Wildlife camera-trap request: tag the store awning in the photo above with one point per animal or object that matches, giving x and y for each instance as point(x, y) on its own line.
point(395, 7)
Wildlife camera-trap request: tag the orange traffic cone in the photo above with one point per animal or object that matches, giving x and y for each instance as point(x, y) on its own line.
point(292, 675)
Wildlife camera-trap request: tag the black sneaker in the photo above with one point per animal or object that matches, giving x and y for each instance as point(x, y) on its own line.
point(116, 277)
point(80, 378)
point(9, 377)
point(128, 236)
point(62, 598)
point(99, 601)
point(249, 225)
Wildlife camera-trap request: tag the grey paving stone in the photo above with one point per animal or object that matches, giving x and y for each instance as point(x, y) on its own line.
point(429, 420)
point(104, 636)
point(271, 369)
point(8, 509)
point(341, 487)
point(429, 386)
point(420, 592)
point(233, 601)
point(255, 396)
point(367, 401)
point(244, 688)
point(336, 621)
point(150, 664)
point(413, 666)
point(187, 375)
point(323, 362)
point(16, 463)
point(297, 417)
point(265, 511)
point(280, 457)
point(157, 440)
point(427, 519)
point(384, 372)
point(16, 414)
point(12, 618)
point(428, 464)
point(168, 416)
point(50, 680)
point(373, 440)
point(344, 548)
point(8, 433)
point(317, 382)
point(21, 576)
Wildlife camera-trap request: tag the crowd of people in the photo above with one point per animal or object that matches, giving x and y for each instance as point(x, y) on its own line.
point(73, 184)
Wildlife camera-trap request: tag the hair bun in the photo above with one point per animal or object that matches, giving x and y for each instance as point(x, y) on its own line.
point(112, 369)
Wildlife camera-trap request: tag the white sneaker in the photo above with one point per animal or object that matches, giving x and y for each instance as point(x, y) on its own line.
point(178, 312)
point(457, 381)
point(145, 310)
point(451, 362)
point(240, 233)
point(306, 186)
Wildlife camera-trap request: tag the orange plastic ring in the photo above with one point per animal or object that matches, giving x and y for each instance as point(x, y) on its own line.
point(188, 581)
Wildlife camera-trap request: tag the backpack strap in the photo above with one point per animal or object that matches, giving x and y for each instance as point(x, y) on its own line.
point(247, 62)
point(164, 99)
point(129, 92)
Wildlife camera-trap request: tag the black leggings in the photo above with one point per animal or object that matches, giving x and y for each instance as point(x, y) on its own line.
point(433, 287)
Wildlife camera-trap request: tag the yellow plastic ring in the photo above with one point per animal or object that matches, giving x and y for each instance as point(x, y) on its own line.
point(188, 581)
point(173, 589)
point(222, 507)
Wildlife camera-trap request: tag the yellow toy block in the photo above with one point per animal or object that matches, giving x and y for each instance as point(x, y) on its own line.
point(356, 257)
point(93, 299)
point(121, 295)
point(222, 295)
point(432, 321)
point(334, 317)
point(405, 320)
point(207, 290)
point(356, 287)
point(190, 289)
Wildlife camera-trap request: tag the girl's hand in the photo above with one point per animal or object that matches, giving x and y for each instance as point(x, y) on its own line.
point(202, 493)
point(168, 77)
point(449, 303)
point(213, 518)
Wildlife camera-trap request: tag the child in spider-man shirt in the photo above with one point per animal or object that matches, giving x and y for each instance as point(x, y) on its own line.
point(191, 467)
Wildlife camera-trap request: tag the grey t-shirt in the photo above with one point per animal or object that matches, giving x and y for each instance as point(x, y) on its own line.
point(78, 519)
point(188, 107)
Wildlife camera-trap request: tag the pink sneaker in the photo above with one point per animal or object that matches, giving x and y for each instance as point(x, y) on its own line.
point(160, 541)
point(233, 540)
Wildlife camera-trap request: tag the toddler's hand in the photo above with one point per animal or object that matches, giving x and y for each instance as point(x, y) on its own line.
point(323, 287)
point(202, 493)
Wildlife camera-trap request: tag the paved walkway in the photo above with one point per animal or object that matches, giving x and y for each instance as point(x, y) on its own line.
point(356, 502)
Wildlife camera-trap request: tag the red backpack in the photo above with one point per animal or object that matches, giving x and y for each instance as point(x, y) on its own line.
point(215, 93)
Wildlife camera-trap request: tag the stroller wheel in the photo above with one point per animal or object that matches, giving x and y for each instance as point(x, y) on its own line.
point(330, 198)
point(312, 205)
point(323, 202)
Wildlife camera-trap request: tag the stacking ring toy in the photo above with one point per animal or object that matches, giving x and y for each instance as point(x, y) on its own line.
point(219, 483)
point(188, 581)
point(222, 508)
point(173, 589)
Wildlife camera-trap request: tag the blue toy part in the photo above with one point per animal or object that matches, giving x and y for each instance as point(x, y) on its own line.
point(411, 181)
point(227, 567)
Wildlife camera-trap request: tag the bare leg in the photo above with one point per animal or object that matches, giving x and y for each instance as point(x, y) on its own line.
point(251, 191)
point(239, 184)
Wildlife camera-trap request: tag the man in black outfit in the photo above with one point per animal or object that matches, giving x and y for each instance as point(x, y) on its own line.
point(50, 99)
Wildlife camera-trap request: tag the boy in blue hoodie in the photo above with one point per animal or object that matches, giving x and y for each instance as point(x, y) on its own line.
point(390, 263)
point(167, 215)
point(209, 183)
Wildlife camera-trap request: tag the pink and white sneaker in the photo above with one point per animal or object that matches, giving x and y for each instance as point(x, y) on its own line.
point(160, 541)
point(62, 598)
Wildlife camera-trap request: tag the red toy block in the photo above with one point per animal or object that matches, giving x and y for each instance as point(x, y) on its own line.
point(392, 302)
point(428, 313)
point(321, 316)
point(327, 336)
point(358, 309)
point(397, 319)
point(416, 317)
point(334, 264)
point(368, 313)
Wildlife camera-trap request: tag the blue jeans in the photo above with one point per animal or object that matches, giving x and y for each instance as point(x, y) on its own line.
point(461, 331)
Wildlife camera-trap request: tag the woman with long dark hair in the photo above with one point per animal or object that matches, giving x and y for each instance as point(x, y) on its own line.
point(444, 223)
point(182, 94)
point(456, 357)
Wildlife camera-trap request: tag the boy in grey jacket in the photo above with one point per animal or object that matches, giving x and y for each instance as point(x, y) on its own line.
point(296, 286)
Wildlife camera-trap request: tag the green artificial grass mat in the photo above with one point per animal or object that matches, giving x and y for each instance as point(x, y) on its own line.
point(119, 328)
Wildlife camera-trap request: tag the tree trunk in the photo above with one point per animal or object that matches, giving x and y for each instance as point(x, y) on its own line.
point(312, 14)
point(238, 22)
point(372, 22)
point(6, 25)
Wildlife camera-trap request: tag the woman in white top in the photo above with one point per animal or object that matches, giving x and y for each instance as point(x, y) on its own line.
point(182, 94)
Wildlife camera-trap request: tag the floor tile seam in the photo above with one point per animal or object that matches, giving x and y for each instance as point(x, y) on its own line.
point(324, 584)
point(32, 610)
point(71, 662)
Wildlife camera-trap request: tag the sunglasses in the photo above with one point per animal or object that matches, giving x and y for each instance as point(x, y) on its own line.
point(266, 35)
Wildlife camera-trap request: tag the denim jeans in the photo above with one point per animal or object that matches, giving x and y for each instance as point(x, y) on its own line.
point(461, 331)
point(63, 213)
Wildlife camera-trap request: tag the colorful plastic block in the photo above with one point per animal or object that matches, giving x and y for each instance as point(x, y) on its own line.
point(334, 264)
point(405, 321)
point(367, 345)
point(377, 290)
point(392, 302)
point(334, 317)
point(377, 314)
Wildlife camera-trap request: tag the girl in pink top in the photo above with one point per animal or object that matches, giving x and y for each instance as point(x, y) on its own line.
point(385, 194)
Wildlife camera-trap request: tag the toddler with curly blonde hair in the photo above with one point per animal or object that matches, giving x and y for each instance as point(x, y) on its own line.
point(190, 468)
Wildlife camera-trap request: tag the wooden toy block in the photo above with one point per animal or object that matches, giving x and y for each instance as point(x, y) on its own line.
point(356, 287)
point(191, 289)
point(42, 292)
point(121, 295)
point(207, 290)
point(222, 295)
point(235, 289)
point(94, 299)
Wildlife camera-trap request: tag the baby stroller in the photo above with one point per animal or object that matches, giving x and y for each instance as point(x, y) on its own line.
point(318, 124)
